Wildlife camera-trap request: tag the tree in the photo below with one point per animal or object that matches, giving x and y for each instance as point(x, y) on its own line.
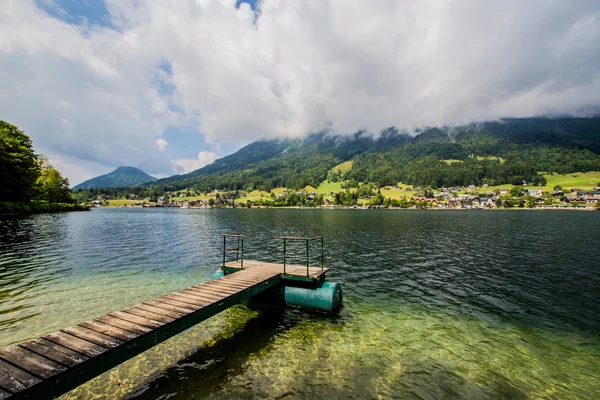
point(517, 191)
point(18, 164)
point(539, 180)
point(51, 185)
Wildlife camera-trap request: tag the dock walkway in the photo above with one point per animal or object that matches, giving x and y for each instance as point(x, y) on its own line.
point(53, 364)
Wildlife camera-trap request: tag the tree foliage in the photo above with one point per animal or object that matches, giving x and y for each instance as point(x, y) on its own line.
point(25, 176)
point(19, 169)
point(51, 185)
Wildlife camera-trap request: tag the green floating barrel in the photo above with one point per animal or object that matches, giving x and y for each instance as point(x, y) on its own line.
point(327, 298)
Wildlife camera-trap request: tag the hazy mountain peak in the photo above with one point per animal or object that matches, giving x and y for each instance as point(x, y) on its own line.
point(120, 177)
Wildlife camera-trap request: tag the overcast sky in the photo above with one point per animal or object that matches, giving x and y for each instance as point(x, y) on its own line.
point(169, 86)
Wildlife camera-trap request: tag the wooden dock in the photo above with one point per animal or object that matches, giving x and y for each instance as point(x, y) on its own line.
point(53, 364)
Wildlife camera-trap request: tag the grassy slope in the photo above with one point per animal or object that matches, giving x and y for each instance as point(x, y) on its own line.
point(327, 187)
point(580, 180)
point(451, 161)
point(122, 203)
point(343, 167)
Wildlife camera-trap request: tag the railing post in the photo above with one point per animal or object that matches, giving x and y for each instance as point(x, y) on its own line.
point(284, 256)
point(242, 260)
point(322, 258)
point(224, 249)
point(307, 259)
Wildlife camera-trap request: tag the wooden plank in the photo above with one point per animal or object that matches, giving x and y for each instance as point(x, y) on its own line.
point(128, 316)
point(178, 303)
point(218, 287)
point(110, 330)
point(168, 315)
point(142, 311)
point(239, 284)
point(201, 297)
point(231, 282)
point(213, 293)
point(247, 275)
point(205, 295)
point(188, 297)
point(210, 293)
point(243, 276)
point(4, 395)
point(162, 304)
point(92, 336)
point(216, 291)
point(182, 298)
point(230, 287)
point(125, 325)
point(76, 344)
point(160, 312)
point(234, 289)
point(54, 352)
point(31, 362)
point(220, 291)
point(14, 380)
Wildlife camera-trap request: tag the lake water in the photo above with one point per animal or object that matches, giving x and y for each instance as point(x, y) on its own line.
point(437, 304)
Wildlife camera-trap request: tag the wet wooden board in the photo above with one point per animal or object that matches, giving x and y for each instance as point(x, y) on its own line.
point(133, 318)
point(54, 352)
point(76, 344)
point(48, 366)
point(109, 330)
point(31, 362)
point(123, 324)
point(189, 299)
point(99, 339)
point(14, 380)
point(158, 314)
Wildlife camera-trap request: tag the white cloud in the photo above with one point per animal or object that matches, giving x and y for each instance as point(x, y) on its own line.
point(98, 95)
point(161, 143)
point(192, 164)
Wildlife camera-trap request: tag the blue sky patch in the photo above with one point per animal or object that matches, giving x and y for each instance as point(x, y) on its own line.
point(77, 12)
point(253, 3)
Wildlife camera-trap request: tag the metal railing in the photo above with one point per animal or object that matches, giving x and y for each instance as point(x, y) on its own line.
point(303, 253)
point(237, 248)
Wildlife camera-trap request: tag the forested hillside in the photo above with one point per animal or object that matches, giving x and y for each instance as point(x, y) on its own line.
point(509, 151)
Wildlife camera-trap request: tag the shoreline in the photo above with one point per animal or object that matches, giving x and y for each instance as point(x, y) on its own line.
point(367, 209)
point(38, 207)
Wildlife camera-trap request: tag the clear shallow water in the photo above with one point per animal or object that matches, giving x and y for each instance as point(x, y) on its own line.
point(438, 304)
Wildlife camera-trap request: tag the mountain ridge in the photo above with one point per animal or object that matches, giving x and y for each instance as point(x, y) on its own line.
point(552, 144)
point(123, 176)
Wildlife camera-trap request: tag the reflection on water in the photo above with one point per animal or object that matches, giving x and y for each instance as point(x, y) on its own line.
point(446, 304)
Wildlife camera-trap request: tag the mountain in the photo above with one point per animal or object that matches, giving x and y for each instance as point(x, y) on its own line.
point(120, 177)
point(505, 151)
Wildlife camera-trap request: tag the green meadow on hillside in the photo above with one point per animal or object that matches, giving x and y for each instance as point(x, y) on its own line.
point(586, 181)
